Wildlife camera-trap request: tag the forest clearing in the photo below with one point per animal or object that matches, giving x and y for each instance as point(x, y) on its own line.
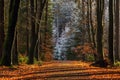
point(59, 70)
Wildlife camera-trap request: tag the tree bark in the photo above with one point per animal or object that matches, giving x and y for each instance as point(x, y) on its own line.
point(13, 14)
point(100, 9)
point(1, 27)
point(15, 52)
point(117, 29)
point(110, 40)
point(32, 36)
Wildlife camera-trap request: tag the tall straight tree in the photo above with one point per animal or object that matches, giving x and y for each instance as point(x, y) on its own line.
point(33, 33)
point(100, 9)
point(117, 29)
point(27, 25)
point(14, 50)
point(1, 26)
point(32, 36)
point(88, 21)
point(92, 28)
point(13, 14)
point(39, 14)
point(110, 36)
point(46, 23)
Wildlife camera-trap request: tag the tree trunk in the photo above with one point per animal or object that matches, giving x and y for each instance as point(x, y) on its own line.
point(110, 40)
point(117, 29)
point(40, 12)
point(27, 28)
point(1, 27)
point(15, 52)
point(46, 23)
point(33, 38)
point(88, 22)
point(100, 9)
point(92, 28)
point(13, 14)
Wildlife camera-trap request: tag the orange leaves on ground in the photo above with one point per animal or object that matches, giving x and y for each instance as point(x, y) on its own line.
point(59, 70)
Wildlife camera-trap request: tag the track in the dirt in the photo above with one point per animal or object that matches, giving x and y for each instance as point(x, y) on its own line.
point(74, 71)
point(69, 70)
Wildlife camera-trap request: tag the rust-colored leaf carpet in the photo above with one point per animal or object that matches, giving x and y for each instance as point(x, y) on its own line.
point(59, 70)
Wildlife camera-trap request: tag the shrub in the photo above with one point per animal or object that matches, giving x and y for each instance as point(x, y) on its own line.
point(117, 64)
point(90, 57)
point(40, 63)
point(22, 59)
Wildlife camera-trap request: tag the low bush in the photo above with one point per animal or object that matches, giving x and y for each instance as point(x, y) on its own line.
point(117, 64)
point(22, 59)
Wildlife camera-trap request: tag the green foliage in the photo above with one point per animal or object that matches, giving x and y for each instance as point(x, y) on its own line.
point(40, 63)
point(117, 64)
point(22, 59)
point(89, 57)
point(35, 61)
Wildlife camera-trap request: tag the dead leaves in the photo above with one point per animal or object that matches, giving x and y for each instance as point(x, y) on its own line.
point(55, 70)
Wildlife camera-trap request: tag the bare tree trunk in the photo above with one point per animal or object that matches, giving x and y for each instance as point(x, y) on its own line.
point(40, 12)
point(33, 38)
point(46, 23)
point(117, 29)
point(1, 27)
point(92, 28)
point(110, 40)
point(14, 50)
point(27, 26)
point(13, 14)
point(88, 22)
point(100, 8)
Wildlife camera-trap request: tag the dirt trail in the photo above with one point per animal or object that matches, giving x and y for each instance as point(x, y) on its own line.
point(59, 70)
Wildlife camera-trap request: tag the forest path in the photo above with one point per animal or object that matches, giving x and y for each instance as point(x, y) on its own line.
point(59, 70)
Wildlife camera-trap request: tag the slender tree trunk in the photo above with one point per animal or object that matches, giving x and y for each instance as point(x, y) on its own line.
point(1, 27)
point(13, 14)
point(33, 38)
point(15, 52)
point(111, 56)
point(100, 9)
point(92, 28)
point(88, 22)
point(27, 28)
point(46, 23)
point(40, 12)
point(37, 30)
point(117, 29)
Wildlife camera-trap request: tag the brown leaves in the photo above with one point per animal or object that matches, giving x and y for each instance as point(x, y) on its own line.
point(54, 70)
point(85, 49)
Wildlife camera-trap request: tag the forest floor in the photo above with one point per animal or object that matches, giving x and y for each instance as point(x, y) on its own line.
point(59, 70)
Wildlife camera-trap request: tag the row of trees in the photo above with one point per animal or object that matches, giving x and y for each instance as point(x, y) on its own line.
point(97, 17)
point(37, 33)
point(105, 10)
point(113, 17)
